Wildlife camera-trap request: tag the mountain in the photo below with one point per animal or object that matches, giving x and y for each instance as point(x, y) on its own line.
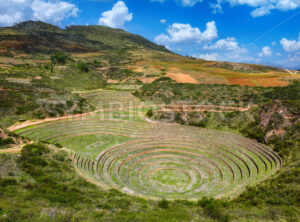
point(31, 37)
point(118, 48)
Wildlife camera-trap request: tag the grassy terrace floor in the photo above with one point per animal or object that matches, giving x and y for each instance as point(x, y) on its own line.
point(118, 148)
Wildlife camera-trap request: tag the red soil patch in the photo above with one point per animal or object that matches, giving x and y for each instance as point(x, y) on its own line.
point(182, 78)
point(241, 81)
point(113, 81)
point(157, 67)
point(12, 43)
point(267, 82)
point(148, 80)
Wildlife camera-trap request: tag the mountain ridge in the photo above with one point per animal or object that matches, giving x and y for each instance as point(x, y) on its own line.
point(37, 41)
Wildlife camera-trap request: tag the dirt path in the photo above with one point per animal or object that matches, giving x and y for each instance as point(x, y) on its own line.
point(19, 125)
point(11, 150)
point(292, 72)
point(150, 120)
point(203, 108)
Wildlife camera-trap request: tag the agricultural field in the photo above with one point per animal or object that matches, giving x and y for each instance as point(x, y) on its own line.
point(155, 65)
point(118, 148)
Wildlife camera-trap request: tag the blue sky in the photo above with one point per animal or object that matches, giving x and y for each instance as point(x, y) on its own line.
point(251, 31)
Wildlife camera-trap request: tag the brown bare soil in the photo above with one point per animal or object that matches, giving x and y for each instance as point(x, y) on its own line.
point(268, 82)
point(19, 125)
point(148, 80)
point(241, 81)
point(182, 77)
point(11, 150)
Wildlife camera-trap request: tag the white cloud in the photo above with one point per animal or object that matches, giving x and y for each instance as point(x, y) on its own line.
point(52, 11)
point(227, 44)
point(116, 17)
point(189, 3)
point(290, 45)
point(262, 7)
point(209, 56)
point(217, 8)
point(185, 33)
point(266, 51)
point(163, 21)
point(290, 62)
point(278, 54)
point(229, 49)
point(10, 19)
point(14, 11)
point(261, 11)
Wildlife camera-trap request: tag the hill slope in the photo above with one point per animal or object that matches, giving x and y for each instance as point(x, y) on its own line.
point(115, 47)
point(38, 37)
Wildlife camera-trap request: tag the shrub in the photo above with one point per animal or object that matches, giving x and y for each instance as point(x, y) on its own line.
point(150, 113)
point(6, 141)
point(164, 204)
point(34, 150)
point(59, 58)
point(213, 209)
point(58, 145)
point(83, 67)
point(7, 182)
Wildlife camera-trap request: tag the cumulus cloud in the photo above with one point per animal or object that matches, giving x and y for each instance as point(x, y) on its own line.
point(14, 11)
point(266, 51)
point(52, 11)
point(228, 49)
point(227, 44)
point(262, 7)
point(290, 45)
point(209, 56)
point(117, 16)
point(185, 33)
point(163, 21)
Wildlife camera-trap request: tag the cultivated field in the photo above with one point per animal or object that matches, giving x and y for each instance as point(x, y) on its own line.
point(187, 70)
point(118, 148)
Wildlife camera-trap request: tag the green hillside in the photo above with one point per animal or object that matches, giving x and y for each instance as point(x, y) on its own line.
point(38, 37)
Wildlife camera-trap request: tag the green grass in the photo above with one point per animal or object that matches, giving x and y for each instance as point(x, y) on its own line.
point(41, 184)
point(91, 145)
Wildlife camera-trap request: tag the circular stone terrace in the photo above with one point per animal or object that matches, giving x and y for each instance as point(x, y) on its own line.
point(160, 160)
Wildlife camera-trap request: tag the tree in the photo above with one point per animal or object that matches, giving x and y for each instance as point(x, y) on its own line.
point(59, 58)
